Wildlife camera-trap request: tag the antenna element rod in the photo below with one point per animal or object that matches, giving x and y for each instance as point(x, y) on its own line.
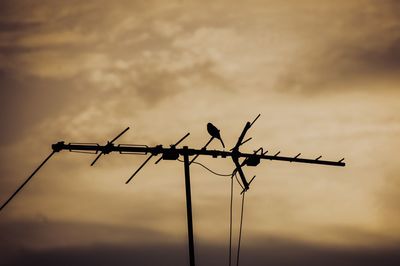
point(205, 147)
point(139, 169)
point(120, 134)
point(27, 180)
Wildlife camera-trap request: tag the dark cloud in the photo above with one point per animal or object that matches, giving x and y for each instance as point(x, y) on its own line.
point(388, 199)
point(382, 59)
point(266, 252)
point(26, 103)
point(44, 233)
point(101, 255)
point(342, 66)
point(17, 26)
point(154, 85)
point(46, 242)
point(65, 36)
point(359, 44)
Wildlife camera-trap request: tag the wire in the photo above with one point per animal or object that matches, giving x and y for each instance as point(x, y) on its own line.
point(240, 230)
point(208, 169)
point(237, 180)
point(233, 174)
point(230, 223)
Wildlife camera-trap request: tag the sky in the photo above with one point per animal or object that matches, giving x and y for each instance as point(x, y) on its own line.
point(324, 75)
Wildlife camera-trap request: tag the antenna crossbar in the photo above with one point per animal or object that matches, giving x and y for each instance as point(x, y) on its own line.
point(155, 150)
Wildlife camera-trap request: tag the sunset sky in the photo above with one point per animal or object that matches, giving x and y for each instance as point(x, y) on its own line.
point(324, 75)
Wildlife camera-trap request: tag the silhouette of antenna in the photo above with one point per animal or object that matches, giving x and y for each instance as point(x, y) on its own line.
point(165, 158)
point(107, 148)
point(173, 153)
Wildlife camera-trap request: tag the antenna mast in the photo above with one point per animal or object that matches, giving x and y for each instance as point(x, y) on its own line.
point(173, 153)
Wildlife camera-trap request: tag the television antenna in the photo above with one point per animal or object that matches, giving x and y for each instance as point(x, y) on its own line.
point(173, 153)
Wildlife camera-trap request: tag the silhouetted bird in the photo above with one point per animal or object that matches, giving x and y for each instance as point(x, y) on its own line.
point(214, 132)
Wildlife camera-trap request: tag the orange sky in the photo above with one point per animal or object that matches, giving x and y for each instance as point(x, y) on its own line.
point(324, 75)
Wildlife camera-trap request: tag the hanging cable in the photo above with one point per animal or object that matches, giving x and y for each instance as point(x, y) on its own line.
point(240, 230)
point(230, 222)
point(208, 169)
point(233, 174)
point(237, 180)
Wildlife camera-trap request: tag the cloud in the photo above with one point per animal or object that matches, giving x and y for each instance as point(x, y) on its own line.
point(84, 71)
point(387, 199)
point(263, 251)
point(306, 52)
point(105, 49)
point(45, 233)
point(26, 103)
point(17, 26)
point(356, 46)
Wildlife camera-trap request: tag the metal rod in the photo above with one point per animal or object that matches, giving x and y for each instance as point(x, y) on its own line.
point(159, 159)
point(140, 167)
point(179, 141)
point(27, 180)
point(245, 141)
point(119, 135)
point(214, 153)
point(189, 206)
point(255, 119)
point(95, 160)
point(109, 144)
point(241, 174)
point(204, 147)
point(173, 146)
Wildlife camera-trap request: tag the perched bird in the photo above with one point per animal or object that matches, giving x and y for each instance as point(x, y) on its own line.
point(214, 132)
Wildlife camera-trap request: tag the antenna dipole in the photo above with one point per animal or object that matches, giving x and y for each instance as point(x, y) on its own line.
point(173, 153)
point(109, 144)
point(27, 180)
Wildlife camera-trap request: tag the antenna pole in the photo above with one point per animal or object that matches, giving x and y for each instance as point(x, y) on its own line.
point(189, 205)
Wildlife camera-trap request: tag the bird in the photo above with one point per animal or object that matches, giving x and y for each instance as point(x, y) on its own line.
point(214, 132)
